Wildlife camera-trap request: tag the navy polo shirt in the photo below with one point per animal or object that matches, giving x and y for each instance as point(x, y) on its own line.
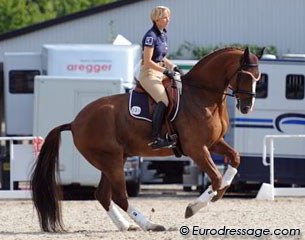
point(158, 40)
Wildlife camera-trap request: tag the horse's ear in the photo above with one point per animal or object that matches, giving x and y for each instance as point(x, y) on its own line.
point(261, 53)
point(247, 55)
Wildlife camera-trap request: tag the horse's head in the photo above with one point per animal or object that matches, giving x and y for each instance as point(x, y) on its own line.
point(244, 81)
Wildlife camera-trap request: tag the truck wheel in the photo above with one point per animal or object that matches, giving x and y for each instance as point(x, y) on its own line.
point(133, 188)
point(187, 189)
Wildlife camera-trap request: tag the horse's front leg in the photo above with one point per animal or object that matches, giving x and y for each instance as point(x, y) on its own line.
point(206, 164)
point(225, 149)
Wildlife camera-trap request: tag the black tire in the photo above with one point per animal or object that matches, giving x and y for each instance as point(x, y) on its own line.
point(187, 189)
point(133, 188)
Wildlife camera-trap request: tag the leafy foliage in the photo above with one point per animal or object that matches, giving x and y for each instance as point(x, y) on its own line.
point(16, 14)
point(191, 51)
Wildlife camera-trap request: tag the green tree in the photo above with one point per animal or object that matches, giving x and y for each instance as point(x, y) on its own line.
point(16, 14)
point(63, 8)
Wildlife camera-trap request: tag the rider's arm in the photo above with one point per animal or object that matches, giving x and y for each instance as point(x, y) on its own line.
point(168, 63)
point(147, 59)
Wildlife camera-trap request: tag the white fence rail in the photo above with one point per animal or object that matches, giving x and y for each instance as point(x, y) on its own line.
point(268, 191)
point(22, 157)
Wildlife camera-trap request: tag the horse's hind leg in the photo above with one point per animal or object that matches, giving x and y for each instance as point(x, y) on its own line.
point(103, 194)
point(119, 196)
point(223, 148)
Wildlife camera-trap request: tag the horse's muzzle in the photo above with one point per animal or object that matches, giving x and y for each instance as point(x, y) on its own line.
point(243, 107)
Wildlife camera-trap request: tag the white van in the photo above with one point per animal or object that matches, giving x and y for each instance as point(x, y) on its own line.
point(74, 60)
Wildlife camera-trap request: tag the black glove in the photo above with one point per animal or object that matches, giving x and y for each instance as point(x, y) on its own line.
point(178, 70)
point(169, 73)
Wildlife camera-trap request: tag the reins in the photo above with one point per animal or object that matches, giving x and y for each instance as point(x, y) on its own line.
point(206, 88)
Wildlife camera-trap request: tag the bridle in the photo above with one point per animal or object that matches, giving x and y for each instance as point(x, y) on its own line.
point(240, 71)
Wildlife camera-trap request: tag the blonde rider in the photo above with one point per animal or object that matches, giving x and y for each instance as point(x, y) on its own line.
point(156, 66)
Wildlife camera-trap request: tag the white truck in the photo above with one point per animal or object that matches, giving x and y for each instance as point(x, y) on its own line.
point(42, 90)
point(74, 60)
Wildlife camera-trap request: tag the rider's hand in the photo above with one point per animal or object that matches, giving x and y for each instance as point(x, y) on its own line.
point(169, 73)
point(178, 70)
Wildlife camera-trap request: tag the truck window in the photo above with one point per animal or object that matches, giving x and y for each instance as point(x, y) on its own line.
point(22, 81)
point(262, 86)
point(295, 86)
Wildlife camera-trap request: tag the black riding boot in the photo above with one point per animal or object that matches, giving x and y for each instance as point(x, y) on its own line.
point(157, 119)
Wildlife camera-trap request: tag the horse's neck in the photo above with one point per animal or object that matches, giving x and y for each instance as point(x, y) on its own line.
point(209, 79)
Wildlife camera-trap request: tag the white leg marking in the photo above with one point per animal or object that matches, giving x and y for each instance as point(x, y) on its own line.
point(139, 218)
point(203, 200)
point(228, 177)
point(253, 90)
point(117, 218)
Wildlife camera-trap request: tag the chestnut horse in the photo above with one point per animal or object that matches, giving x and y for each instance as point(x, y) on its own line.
point(105, 134)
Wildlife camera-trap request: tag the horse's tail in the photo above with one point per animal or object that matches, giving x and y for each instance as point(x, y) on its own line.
point(45, 192)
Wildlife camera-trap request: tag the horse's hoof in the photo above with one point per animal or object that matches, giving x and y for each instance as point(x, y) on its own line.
point(188, 212)
point(133, 228)
point(215, 198)
point(194, 207)
point(156, 228)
